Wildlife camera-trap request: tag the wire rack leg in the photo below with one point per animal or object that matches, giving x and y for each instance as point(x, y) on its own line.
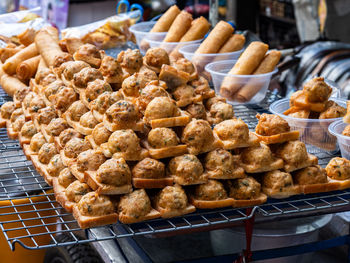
point(249, 226)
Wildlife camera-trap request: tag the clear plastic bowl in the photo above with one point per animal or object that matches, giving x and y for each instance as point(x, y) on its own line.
point(141, 30)
point(336, 129)
point(313, 132)
point(157, 41)
point(200, 60)
point(250, 89)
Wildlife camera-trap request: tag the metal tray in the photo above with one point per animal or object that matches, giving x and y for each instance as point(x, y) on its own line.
point(35, 223)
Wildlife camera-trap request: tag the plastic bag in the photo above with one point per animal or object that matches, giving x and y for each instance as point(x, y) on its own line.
point(16, 17)
point(107, 33)
point(11, 24)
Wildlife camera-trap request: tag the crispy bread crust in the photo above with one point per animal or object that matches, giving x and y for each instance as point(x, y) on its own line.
point(125, 219)
point(204, 204)
point(93, 221)
point(152, 183)
point(262, 198)
point(279, 138)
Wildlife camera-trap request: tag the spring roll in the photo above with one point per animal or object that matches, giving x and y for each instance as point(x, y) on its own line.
point(179, 27)
point(11, 63)
point(28, 68)
point(217, 37)
point(246, 64)
point(42, 64)
point(234, 43)
point(47, 45)
point(268, 64)
point(8, 52)
point(11, 84)
point(27, 37)
point(164, 22)
point(198, 29)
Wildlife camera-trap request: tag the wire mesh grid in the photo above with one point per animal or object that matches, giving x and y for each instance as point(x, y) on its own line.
point(30, 216)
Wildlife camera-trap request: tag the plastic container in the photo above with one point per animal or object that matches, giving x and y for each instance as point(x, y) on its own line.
point(251, 88)
point(272, 235)
point(157, 41)
point(141, 30)
point(313, 132)
point(336, 129)
point(203, 59)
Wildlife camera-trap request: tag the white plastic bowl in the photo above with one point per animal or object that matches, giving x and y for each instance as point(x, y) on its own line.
point(141, 30)
point(157, 41)
point(336, 129)
point(200, 60)
point(313, 132)
point(219, 71)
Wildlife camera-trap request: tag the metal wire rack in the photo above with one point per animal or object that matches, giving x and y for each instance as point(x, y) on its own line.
point(30, 216)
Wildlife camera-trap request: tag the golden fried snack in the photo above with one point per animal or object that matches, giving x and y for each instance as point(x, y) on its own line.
point(89, 54)
point(165, 21)
point(187, 170)
point(135, 207)
point(268, 64)
point(11, 63)
point(295, 156)
point(73, 148)
point(333, 110)
point(155, 58)
point(210, 195)
point(28, 130)
point(199, 27)
point(123, 115)
point(11, 84)
point(314, 179)
point(36, 142)
point(73, 44)
point(94, 210)
point(179, 27)
point(89, 160)
point(246, 64)
point(172, 201)
point(173, 77)
point(111, 178)
point(317, 90)
point(163, 143)
point(259, 159)
point(274, 129)
point(47, 46)
point(6, 111)
point(69, 190)
point(9, 51)
point(217, 37)
point(28, 68)
point(125, 144)
point(199, 137)
point(234, 133)
point(339, 169)
point(234, 43)
point(246, 192)
point(150, 173)
point(278, 184)
point(163, 112)
point(221, 164)
point(295, 112)
point(27, 37)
